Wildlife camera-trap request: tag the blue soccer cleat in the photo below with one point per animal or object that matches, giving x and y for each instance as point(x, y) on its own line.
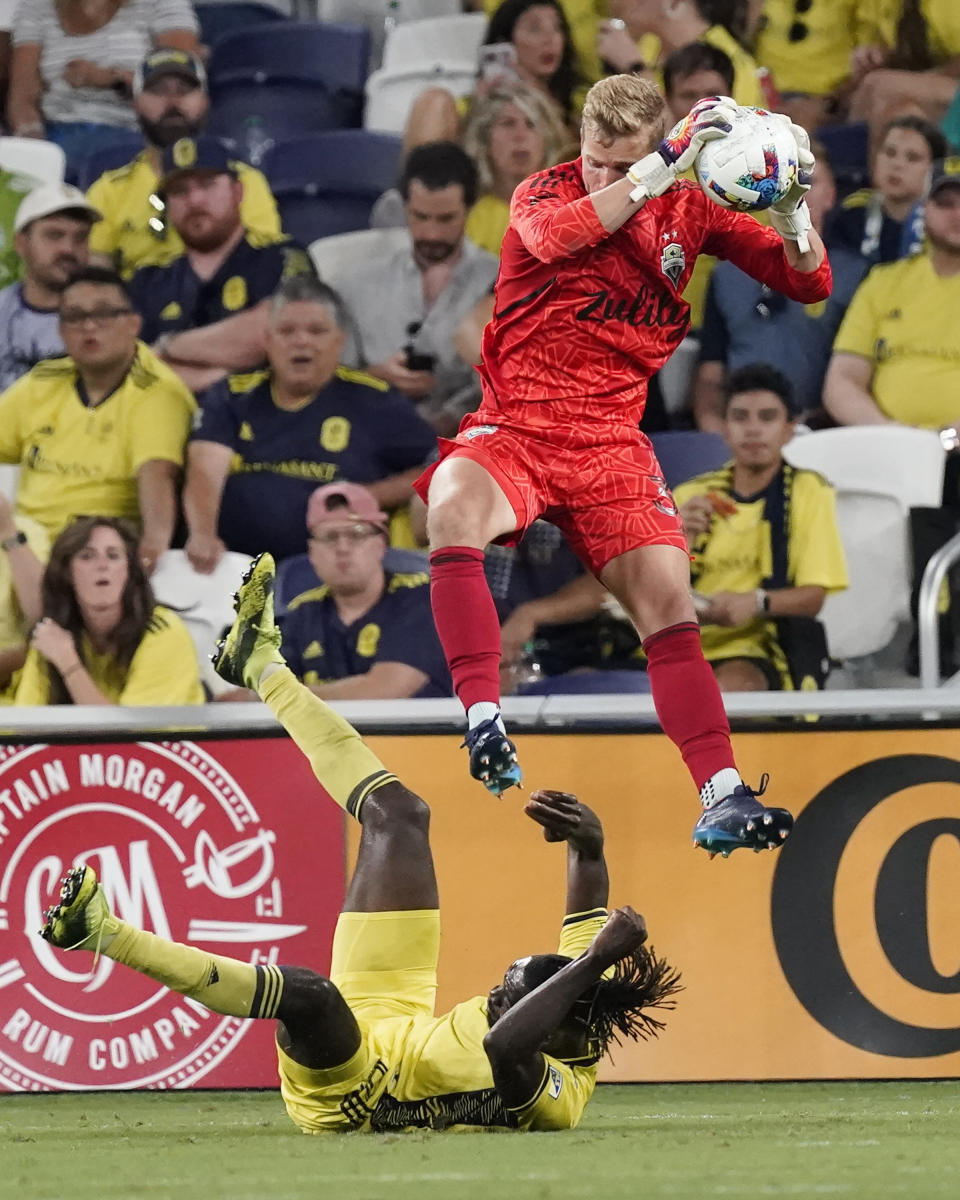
point(740, 820)
point(493, 757)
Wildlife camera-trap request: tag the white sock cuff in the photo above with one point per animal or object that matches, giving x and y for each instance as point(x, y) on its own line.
point(719, 786)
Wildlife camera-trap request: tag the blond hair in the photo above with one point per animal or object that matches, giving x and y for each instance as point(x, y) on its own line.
point(622, 106)
point(535, 105)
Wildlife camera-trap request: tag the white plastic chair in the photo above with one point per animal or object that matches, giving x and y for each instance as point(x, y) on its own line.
point(454, 39)
point(203, 602)
point(864, 618)
point(9, 478)
point(391, 92)
point(380, 15)
point(39, 160)
point(892, 460)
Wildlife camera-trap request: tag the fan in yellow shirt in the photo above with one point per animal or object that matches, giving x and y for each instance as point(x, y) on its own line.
point(895, 356)
point(363, 1049)
point(103, 430)
point(102, 639)
point(763, 537)
point(171, 102)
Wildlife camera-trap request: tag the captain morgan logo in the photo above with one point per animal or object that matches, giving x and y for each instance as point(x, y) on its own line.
point(182, 852)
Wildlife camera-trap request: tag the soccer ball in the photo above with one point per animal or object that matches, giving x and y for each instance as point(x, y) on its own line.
point(754, 166)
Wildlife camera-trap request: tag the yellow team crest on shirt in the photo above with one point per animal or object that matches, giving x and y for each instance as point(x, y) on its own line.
point(314, 650)
point(368, 639)
point(234, 293)
point(335, 434)
point(184, 153)
point(246, 432)
point(171, 311)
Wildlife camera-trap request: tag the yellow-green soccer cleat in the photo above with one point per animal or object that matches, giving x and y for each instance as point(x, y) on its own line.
point(253, 639)
point(83, 916)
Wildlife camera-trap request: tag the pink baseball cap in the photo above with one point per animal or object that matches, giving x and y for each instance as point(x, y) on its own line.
point(343, 502)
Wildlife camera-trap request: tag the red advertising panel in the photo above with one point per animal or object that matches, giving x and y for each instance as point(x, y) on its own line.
point(229, 845)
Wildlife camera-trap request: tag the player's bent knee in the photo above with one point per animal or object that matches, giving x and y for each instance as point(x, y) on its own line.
point(308, 997)
point(394, 805)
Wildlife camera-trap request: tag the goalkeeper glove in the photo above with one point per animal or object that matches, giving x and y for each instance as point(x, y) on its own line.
point(709, 119)
point(790, 216)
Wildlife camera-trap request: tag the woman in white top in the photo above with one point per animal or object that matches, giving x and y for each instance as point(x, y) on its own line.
point(74, 60)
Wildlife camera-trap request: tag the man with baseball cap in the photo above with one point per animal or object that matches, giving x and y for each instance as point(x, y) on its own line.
point(895, 361)
point(204, 309)
point(171, 102)
point(367, 632)
point(51, 234)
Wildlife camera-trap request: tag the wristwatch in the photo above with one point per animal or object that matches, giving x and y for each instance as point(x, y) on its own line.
point(15, 539)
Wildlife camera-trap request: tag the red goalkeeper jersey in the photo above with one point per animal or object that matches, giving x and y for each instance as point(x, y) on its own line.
point(583, 318)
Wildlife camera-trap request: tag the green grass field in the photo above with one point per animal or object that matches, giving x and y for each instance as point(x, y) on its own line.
point(683, 1141)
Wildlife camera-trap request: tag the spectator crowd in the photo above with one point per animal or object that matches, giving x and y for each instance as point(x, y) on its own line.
point(181, 376)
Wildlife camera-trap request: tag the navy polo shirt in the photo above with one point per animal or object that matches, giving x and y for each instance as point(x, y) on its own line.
point(172, 298)
point(356, 428)
point(320, 648)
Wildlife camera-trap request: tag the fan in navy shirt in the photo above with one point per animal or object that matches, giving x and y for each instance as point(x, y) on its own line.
point(367, 632)
point(203, 309)
point(265, 441)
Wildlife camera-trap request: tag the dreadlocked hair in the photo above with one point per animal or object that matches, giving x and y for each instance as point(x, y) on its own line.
point(616, 1007)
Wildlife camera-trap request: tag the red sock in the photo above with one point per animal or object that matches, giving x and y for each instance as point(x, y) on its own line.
point(466, 620)
point(687, 700)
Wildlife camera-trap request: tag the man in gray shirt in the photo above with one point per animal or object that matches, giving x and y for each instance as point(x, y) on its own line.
point(51, 234)
point(407, 304)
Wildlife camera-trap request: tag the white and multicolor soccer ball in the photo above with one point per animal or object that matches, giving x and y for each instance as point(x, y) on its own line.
point(754, 166)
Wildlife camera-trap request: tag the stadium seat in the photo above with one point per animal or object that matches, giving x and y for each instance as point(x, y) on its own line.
point(848, 148)
point(864, 618)
point(296, 575)
point(684, 453)
point(43, 161)
point(9, 477)
point(390, 93)
point(327, 183)
point(296, 76)
point(379, 15)
point(893, 460)
point(218, 20)
point(454, 39)
point(115, 153)
point(332, 256)
point(203, 602)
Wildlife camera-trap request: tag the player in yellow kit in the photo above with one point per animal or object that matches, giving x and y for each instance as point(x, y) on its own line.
point(363, 1049)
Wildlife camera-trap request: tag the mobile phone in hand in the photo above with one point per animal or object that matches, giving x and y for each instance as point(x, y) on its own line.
point(497, 62)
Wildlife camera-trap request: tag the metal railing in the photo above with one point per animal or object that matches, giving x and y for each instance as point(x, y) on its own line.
point(928, 626)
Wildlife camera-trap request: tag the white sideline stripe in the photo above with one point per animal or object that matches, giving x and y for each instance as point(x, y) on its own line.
point(239, 931)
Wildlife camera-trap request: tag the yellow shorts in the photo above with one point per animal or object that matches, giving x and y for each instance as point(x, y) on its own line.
point(385, 967)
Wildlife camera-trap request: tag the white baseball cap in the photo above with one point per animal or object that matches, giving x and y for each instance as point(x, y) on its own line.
point(53, 198)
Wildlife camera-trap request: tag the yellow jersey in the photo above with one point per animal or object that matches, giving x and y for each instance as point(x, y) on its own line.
point(13, 630)
point(163, 670)
point(819, 62)
point(903, 319)
point(746, 77)
point(123, 196)
point(77, 460)
point(942, 18)
point(487, 223)
point(737, 555)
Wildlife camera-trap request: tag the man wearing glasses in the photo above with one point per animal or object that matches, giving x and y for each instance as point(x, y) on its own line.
point(101, 431)
point(367, 632)
point(171, 101)
point(268, 438)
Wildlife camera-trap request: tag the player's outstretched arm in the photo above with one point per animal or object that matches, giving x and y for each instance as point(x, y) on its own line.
point(565, 819)
point(513, 1044)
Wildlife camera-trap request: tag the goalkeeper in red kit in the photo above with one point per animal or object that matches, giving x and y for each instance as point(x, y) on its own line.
point(588, 305)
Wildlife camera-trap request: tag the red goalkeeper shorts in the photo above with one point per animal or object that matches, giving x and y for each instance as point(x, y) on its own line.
point(602, 486)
